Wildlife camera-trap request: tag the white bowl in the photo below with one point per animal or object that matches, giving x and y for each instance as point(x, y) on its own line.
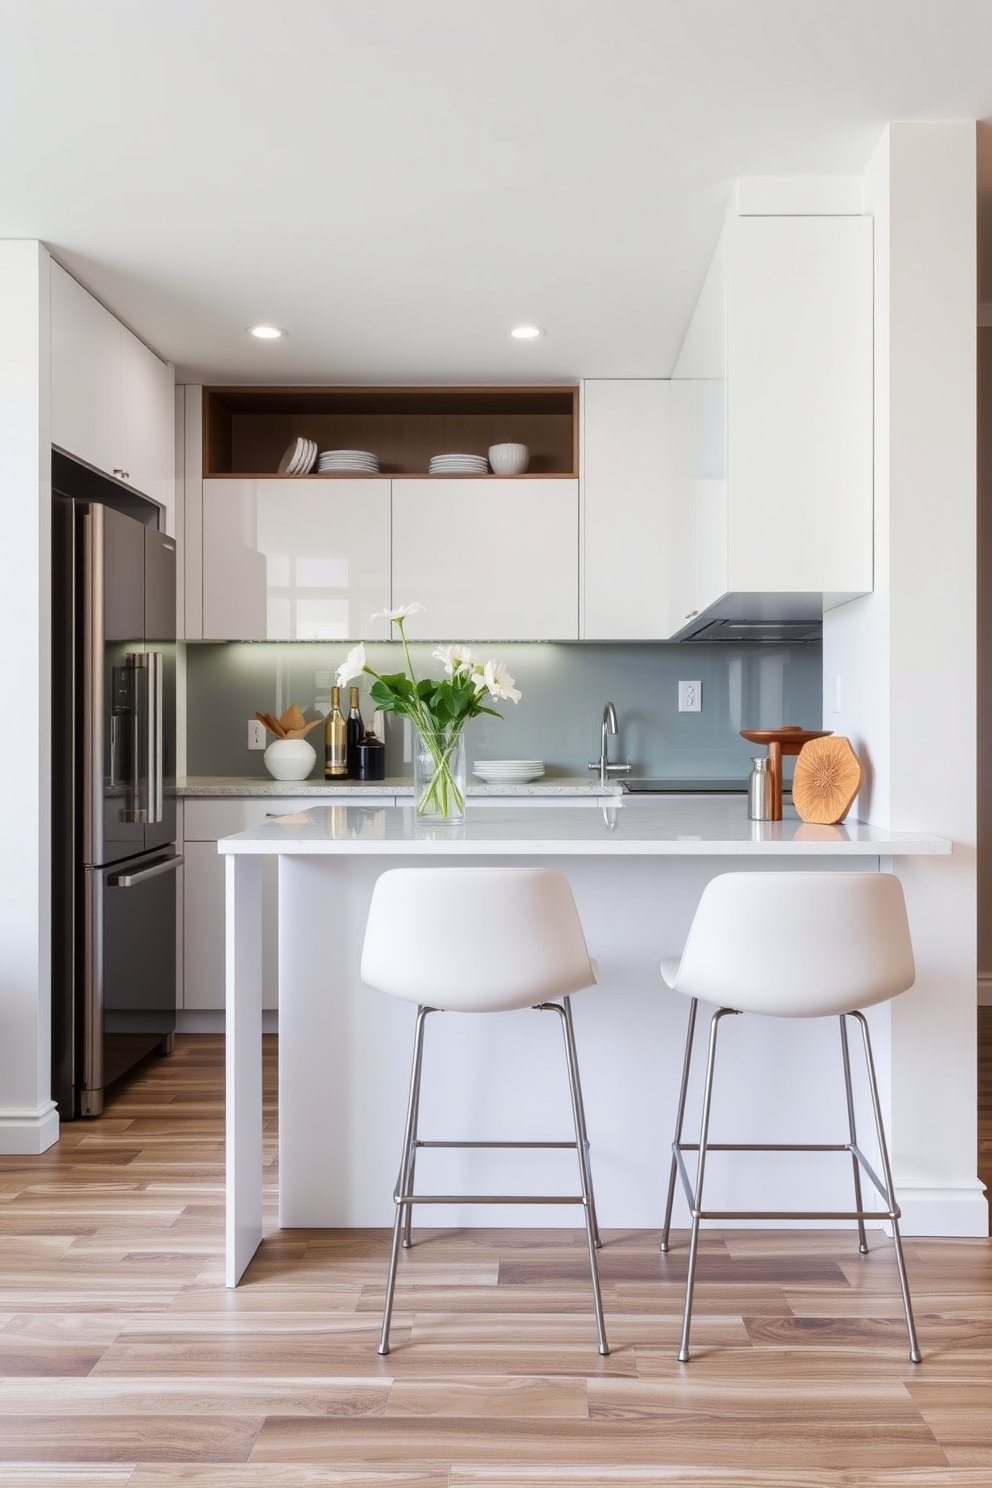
point(290, 759)
point(509, 459)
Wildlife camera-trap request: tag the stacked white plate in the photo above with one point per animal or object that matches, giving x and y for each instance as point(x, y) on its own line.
point(299, 457)
point(508, 772)
point(363, 462)
point(459, 465)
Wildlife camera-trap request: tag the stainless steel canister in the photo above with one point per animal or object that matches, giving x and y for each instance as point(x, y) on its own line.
point(759, 791)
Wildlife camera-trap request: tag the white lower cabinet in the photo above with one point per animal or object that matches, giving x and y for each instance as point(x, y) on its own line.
point(295, 560)
point(489, 559)
point(205, 821)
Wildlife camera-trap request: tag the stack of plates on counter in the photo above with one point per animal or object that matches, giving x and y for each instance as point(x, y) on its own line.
point(299, 457)
point(459, 465)
point(360, 461)
point(508, 772)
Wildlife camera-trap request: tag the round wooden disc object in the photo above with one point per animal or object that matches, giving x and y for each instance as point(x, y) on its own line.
point(827, 779)
point(790, 736)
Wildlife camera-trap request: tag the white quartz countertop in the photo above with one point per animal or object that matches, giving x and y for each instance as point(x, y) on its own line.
point(686, 826)
point(395, 785)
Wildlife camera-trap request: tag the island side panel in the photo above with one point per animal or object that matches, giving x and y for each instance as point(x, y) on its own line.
point(243, 1054)
point(345, 1049)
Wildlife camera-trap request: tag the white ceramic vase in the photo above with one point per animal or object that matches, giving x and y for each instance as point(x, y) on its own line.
point(290, 759)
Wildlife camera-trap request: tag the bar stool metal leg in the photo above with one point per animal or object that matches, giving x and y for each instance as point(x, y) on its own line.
point(403, 1195)
point(697, 1201)
point(679, 1123)
point(914, 1347)
point(853, 1134)
point(573, 1059)
point(588, 1201)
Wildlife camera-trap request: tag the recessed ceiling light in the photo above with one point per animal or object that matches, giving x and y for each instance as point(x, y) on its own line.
point(266, 332)
point(527, 332)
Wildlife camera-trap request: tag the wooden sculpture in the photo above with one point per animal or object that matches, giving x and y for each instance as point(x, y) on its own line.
point(827, 779)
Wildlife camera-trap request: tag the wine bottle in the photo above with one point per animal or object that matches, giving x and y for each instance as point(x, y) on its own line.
point(335, 740)
point(354, 732)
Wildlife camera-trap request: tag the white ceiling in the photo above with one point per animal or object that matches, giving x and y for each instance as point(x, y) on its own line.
point(397, 182)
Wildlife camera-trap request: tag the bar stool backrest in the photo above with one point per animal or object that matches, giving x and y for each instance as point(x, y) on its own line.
point(475, 939)
point(798, 945)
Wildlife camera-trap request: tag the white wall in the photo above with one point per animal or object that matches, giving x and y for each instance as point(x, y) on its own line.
point(905, 654)
point(28, 1121)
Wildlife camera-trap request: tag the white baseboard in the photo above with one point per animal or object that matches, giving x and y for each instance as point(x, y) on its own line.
point(958, 1211)
point(26, 1133)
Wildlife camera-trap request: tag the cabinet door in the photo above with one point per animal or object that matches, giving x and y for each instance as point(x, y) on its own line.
point(489, 559)
point(291, 559)
point(86, 375)
point(204, 890)
point(682, 537)
point(203, 928)
point(626, 516)
point(147, 454)
point(800, 404)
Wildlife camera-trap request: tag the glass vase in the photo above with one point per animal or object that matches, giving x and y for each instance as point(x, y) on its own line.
point(439, 775)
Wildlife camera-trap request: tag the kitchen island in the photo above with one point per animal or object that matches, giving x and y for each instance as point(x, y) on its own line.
point(637, 871)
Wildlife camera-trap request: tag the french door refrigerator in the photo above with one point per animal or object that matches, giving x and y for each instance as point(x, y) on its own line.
point(113, 791)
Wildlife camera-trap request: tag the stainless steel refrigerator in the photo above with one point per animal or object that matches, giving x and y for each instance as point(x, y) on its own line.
point(114, 860)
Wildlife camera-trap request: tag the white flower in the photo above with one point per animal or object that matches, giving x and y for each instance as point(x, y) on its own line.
point(353, 664)
point(456, 659)
point(499, 683)
point(400, 613)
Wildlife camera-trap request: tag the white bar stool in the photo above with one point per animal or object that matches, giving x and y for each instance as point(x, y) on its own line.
point(792, 945)
point(480, 940)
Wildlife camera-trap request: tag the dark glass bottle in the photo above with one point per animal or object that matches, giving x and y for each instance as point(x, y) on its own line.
point(355, 732)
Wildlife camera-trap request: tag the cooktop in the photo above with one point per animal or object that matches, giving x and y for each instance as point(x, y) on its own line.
point(702, 786)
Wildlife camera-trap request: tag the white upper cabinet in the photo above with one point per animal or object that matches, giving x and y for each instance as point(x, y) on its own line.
point(772, 444)
point(295, 560)
point(112, 398)
point(86, 375)
point(148, 454)
point(489, 559)
point(626, 510)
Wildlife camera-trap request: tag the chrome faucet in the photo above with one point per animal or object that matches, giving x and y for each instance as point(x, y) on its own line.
point(604, 765)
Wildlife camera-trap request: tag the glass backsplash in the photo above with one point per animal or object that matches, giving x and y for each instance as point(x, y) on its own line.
point(558, 719)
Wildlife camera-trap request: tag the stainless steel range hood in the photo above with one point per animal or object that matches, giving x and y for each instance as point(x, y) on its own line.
point(769, 619)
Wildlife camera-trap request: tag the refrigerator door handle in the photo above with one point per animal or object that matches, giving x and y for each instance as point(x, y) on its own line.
point(126, 880)
point(146, 713)
point(156, 742)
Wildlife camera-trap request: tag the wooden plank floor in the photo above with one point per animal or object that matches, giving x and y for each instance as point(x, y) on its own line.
point(124, 1361)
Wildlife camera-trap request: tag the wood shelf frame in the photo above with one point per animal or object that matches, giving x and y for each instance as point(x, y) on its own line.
point(247, 429)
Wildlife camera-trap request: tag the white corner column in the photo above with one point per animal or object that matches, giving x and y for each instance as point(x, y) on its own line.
point(899, 666)
point(28, 1118)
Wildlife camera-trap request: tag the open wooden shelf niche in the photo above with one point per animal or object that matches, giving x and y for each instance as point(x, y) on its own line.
point(246, 430)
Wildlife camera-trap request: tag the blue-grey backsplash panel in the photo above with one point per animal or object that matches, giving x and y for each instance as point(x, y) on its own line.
point(564, 689)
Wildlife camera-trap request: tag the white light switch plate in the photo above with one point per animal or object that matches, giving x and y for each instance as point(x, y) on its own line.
point(690, 697)
point(256, 733)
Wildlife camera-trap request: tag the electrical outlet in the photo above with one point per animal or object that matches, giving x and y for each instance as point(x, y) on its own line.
point(690, 697)
point(256, 734)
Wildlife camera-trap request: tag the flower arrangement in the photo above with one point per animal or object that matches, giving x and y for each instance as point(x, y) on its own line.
point(438, 709)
